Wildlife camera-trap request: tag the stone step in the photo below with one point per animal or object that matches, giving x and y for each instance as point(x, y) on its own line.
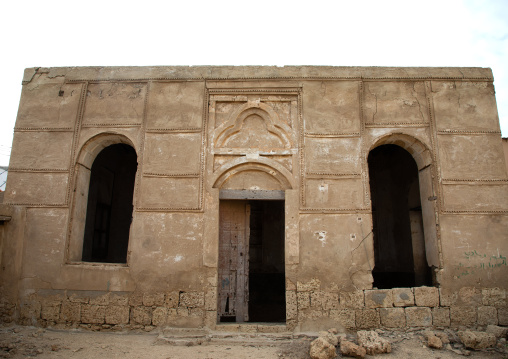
point(191, 337)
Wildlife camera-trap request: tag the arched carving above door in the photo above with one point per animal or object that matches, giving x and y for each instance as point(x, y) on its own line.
point(268, 173)
point(255, 126)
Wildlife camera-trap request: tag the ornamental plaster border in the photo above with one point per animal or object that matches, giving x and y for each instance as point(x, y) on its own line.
point(396, 124)
point(172, 175)
point(43, 129)
point(332, 134)
point(174, 130)
point(89, 125)
point(464, 132)
point(36, 170)
point(75, 140)
point(283, 78)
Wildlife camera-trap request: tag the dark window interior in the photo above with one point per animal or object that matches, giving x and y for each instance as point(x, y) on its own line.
point(399, 243)
point(109, 208)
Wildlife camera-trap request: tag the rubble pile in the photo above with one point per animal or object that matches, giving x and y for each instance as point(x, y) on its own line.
point(331, 343)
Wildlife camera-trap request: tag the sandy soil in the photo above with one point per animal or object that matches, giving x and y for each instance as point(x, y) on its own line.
point(27, 342)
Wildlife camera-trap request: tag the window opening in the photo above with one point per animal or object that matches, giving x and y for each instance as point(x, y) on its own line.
point(399, 239)
point(109, 207)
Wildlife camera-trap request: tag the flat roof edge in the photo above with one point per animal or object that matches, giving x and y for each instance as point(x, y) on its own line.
point(246, 73)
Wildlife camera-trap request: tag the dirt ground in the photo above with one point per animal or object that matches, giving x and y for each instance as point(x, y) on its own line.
point(27, 342)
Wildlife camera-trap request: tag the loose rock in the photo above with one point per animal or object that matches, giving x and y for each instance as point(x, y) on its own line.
point(349, 349)
point(330, 338)
point(443, 336)
point(320, 348)
point(434, 342)
point(499, 332)
point(373, 343)
point(477, 340)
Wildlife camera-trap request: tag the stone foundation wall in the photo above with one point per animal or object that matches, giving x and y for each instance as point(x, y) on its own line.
point(362, 309)
point(99, 310)
point(403, 307)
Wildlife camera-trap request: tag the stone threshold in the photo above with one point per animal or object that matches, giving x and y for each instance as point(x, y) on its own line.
point(252, 328)
point(227, 333)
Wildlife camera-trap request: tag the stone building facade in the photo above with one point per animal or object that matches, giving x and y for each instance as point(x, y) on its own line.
point(256, 199)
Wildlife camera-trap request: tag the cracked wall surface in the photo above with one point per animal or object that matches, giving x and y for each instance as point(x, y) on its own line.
point(199, 132)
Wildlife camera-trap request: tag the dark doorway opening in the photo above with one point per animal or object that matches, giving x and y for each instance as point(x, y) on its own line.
point(252, 273)
point(267, 294)
point(399, 241)
point(109, 207)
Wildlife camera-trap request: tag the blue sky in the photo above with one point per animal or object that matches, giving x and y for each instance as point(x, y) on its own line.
point(340, 33)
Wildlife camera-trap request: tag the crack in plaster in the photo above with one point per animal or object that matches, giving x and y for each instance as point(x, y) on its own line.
point(375, 112)
point(415, 95)
point(458, 94)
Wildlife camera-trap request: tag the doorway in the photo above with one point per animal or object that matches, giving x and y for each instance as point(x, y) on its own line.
point(251, 261)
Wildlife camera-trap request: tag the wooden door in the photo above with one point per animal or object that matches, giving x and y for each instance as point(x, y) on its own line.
point(234, 219)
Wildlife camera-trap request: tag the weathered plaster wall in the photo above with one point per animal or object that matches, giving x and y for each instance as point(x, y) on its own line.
point(505, 149)
point(304, 130)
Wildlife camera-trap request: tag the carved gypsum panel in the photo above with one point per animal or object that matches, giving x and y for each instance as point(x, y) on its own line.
point(219, 160)
point(232, 107)
point(253, 125)
point(285, 160)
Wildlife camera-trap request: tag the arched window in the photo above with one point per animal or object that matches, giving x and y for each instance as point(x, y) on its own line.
point(399, 240)
point(109, 207)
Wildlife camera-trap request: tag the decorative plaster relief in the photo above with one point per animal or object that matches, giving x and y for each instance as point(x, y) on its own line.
point(253, 124)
